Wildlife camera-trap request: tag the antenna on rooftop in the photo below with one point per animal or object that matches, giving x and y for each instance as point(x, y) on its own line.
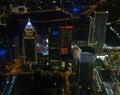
point(28, 19)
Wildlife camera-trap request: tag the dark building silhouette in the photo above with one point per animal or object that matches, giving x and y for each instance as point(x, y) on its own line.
point(54, 48)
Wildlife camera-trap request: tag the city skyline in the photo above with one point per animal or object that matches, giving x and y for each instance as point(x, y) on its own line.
point(112, 25)
point(56, 47)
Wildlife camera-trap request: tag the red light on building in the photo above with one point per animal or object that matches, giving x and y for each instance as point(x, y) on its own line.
point(67, 27)
point(64, 51)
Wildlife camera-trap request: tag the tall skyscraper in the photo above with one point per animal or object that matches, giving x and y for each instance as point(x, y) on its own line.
point(29, 45)
point(60, 40)
point(98, 30)
point(91, 32)
point(54, 48)
point(66, 41)
point(85, 67)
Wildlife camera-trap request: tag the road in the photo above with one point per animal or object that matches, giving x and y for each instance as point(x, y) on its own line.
point(9, 84)
point(11, 78)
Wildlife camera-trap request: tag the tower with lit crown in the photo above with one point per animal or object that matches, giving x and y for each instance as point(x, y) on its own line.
point(29, 45)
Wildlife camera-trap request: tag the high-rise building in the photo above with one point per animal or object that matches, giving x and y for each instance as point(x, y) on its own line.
point(54, 48)
point(85, 67)
point(66, 41)
point(60, 40)
point(29, 45)
point(98, 30)
point(91, 32)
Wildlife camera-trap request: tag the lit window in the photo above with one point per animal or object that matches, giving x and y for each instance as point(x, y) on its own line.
point(64, 50)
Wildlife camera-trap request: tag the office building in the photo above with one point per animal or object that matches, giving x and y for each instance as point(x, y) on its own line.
point(54, 48)
point(97, 31)
point(66, 41)
point(91, 32)
point(85, 67)
point(60, 40)
point(29, 45)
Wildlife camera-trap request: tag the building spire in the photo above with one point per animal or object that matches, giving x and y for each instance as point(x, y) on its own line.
point(29, 24)
point(28, 19)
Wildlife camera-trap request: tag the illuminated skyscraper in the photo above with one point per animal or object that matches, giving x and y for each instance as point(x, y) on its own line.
point(29, 45)
point(98, 30)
